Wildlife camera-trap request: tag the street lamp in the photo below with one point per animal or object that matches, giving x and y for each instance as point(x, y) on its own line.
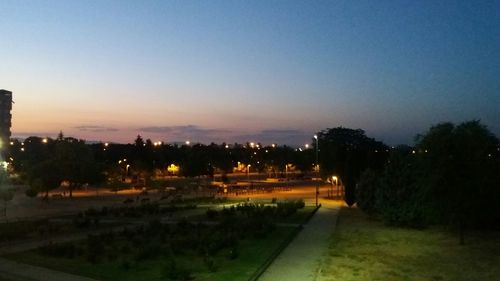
point(317, 169)
point(248, 172)
point(334, 178)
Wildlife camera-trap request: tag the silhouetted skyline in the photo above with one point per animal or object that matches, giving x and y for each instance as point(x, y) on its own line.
point(229, 71)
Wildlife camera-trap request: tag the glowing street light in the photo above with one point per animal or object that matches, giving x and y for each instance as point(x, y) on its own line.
point(248, 172)
point(45, 140)
point(317, 169)
point(334, 179)
point(188, 142)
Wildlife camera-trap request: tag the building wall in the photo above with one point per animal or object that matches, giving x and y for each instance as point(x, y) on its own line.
point(5, 117)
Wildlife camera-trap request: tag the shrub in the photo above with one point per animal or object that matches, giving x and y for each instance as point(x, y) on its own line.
point(95, 248)
point(174, 272)
point(210, 264)
point(211, 214)
point(31, 192)
point(366, 191)
point(126, 265)
point(66, 250)
point(234, 253)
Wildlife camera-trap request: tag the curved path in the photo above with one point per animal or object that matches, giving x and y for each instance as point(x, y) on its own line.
point(301, 259)
point(14, 271)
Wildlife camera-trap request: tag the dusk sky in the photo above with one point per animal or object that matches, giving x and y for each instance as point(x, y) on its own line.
point(268, 71)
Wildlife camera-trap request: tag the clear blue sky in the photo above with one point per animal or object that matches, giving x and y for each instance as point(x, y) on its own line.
point(270, 71)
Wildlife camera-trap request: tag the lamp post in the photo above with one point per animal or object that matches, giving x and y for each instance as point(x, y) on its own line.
point(248, 173)
point(317, 171)
point(334, 178)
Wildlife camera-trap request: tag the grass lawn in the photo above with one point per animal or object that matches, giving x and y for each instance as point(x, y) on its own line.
point(363, 249)
point(252, 253)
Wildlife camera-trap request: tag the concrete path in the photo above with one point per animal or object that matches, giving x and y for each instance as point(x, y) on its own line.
point(300, 261)
point(14, 271)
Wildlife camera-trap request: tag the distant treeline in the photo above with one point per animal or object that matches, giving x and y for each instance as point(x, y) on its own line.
point(451, 174)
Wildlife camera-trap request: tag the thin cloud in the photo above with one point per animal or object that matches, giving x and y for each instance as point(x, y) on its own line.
point(282, 136)
point(95, 129)
point(191, 132)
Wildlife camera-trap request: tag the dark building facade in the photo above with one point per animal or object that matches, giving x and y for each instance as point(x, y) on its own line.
point(5, 118)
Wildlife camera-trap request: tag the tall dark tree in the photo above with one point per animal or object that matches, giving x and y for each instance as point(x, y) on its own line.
point(460, 164)
point(44, 176)
point(76, 163)
point(347, 153)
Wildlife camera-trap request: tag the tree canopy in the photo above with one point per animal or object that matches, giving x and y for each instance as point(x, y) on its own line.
point(451, 176)
point(347, 153)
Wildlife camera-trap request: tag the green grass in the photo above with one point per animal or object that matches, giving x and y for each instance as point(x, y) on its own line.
point(252, 253)
point(363, 249)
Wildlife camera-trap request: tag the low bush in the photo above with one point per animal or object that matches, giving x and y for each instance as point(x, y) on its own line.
point(174, 272)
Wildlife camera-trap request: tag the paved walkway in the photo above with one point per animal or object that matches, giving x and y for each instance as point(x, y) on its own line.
point(300, 261)
point(14, 271)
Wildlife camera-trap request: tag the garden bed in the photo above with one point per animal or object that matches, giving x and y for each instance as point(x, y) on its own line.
point(232, 250)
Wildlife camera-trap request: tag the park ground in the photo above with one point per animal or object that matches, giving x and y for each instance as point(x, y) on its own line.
point(363, 249)
point(359, 248)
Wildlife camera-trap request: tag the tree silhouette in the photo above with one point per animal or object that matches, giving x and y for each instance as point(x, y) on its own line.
point(458, 162)
point(347, 153)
